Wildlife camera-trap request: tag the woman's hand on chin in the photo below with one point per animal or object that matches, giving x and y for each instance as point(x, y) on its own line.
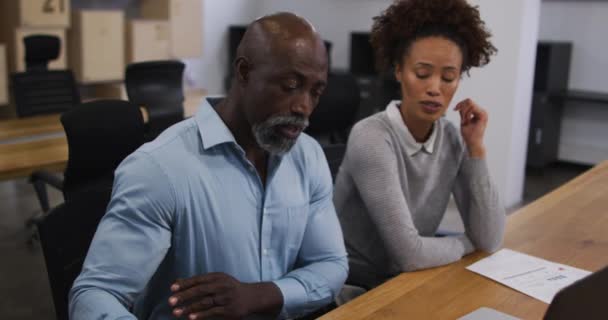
point(473, 122)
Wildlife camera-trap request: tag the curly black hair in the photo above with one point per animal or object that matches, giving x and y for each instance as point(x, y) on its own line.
point(405, 21)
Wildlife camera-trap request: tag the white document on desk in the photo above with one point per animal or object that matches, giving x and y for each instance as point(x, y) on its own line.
point(536, 277)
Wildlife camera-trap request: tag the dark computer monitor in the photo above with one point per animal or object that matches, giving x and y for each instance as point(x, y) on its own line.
point(235, 34)
point(552, 70)
point(362, 60)
point(584, 299)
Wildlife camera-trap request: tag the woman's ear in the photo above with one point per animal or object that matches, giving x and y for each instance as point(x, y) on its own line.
point(398, 69)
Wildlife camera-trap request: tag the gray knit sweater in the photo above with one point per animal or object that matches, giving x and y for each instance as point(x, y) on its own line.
point(390, 203)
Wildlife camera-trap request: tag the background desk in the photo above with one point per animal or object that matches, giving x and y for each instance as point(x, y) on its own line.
point(21, 159)
point(569, 225)
point(36, 143)
point(11, 129)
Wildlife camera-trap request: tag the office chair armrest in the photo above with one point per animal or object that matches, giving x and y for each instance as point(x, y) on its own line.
point(40, 179)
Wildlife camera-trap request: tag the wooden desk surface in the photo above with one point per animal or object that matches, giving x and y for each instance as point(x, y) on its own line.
point(569, 225)
point(28, 127)
point(21, 159)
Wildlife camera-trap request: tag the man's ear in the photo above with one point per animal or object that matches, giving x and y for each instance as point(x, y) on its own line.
point(242, 69)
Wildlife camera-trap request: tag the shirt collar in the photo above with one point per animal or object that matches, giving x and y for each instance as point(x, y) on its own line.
point(412, 147)
point(212, 129)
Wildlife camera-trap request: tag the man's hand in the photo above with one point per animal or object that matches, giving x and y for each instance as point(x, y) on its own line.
point(473, 122)
point(220, 295)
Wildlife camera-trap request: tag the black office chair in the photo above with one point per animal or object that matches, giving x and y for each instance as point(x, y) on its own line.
point(100, 135)
point(65, 236)
point(335, 113)
point(40, 50)
point(157, 86)
point(334, 116)
point(334, 153)
point(389, 89)
point(39, 90)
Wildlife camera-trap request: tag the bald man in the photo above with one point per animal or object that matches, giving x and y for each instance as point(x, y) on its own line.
point(228, 214)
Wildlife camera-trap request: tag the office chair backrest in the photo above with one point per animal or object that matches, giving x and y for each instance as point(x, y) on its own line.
point(334, 153)
point(38, 90)
point(389, 89)
point(100, 135)
point(65, 237)
point(39, 50)
point(337, 107)
point(42, 92)
point(157, 86)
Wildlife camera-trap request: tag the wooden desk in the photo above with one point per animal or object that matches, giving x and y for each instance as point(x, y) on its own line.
point(21, 159)
point(30, 127)
point(569, 225)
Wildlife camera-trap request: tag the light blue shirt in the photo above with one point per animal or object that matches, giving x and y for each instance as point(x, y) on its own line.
point(190, 203)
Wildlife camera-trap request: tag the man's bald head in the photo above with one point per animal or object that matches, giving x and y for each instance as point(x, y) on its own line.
point(273, 34)
point(280, 74)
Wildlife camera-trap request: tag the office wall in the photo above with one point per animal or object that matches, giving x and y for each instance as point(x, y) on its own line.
point(504, 87)
point(584, 24)
point(209, 71)
point(334, 19)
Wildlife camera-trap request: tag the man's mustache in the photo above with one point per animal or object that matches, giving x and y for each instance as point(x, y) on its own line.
point(294, 120)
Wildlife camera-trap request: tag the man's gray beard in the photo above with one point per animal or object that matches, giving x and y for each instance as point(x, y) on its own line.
point(269, 139)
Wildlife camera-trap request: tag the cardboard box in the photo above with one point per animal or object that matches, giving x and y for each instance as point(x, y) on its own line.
point(185, 24)
point(147, 40)
point(97, 45)
point(193, 99)
point(3, 76)
point(17, 50)
point(36, 13)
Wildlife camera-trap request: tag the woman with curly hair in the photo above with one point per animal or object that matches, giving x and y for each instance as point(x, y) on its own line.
point(402, 164)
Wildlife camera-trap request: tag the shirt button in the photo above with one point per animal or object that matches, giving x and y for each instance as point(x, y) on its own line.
point(265, 252)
